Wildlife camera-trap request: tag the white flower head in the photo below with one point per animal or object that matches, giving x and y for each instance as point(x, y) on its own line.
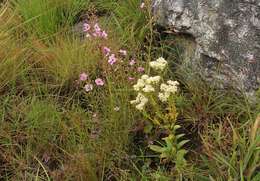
point(164, 87)
point(134, 102)
point(153, 80)
point(148, 88)
point(167, 90)
point(162, 60)
point(140, 106)
point(172, 89)
point(164, 96)
point(173, 83)
point(159, 64)
point(88, 87)
point(139, 85)
point(145, 83)
point(141, 101)
point(144, 77)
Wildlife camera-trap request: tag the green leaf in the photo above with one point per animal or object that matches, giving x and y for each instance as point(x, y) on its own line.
point(180, 160)
point(182, 153)
point(164, 155)
point(169, 140)
point(156, 148)
point(179, 136)
point(180, 144)
point(176, 127)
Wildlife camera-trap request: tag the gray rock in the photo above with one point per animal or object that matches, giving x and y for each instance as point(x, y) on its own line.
point(227, 36)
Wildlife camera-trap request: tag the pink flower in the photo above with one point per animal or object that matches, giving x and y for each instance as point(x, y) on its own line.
point(123, 52)
point(132, 62)
point(106, 51)
point(99, 82)
point(112, 59)
point(131, 78)
point(83, 76)
point(97, 32)
point(97, 28)
point(104, 34)
point(86, 27)
point(94, 34)
point(140, 69)
point(142, 5)
point(88, 87)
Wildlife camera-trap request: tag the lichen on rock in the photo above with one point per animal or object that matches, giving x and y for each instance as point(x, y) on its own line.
point(227, 36)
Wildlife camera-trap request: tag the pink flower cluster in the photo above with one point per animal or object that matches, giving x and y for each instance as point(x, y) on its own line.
point(110, 56)
point(96, 31)
point(112, 59)
point(83, 77)
point(139, 69)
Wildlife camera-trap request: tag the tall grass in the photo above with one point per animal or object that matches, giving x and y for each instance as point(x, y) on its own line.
point(45, 18)
point(12, 54)
point(53, 129)
point(132, 23)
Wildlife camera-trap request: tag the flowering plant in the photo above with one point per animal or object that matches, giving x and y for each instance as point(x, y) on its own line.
point(112, 60)
point(156, 101)
point(154, 93)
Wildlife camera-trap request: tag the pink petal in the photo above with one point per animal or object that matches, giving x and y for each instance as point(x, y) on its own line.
point(140, 69)
point(86, 27)
point(106, 51)
point(131, 78)
point(99, 82)
point(83, 76)
point(132, 62)
point(112, 59)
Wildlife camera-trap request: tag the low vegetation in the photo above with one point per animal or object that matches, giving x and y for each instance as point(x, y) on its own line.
point(95, 90)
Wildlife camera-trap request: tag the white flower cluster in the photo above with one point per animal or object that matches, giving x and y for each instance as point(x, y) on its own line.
point(167, 89)
point(140, 101)
point(159, 64)
point(145, 83)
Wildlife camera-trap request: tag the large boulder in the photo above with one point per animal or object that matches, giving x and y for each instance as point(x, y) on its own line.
point(227, 36)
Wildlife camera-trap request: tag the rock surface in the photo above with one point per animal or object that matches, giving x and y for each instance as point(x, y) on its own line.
point(227, 35)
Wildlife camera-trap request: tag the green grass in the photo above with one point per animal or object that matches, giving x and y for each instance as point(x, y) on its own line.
point(52, 129)
point(45, 18)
